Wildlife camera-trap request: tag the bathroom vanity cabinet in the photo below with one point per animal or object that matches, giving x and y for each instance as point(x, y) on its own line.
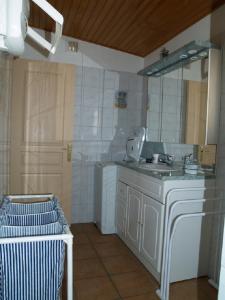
point(140, 215)
point(140, 224)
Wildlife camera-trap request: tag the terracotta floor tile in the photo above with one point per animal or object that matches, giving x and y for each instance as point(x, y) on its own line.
point(133, 284)
point(84, 251)
point(111, 249)
point(80, 238)
point(97, 237)
point(89, 268)
point(149, 296)
point(75, 228)
point(90, 227)
point(94, 253)
point(206, 287)
point(95, 289)
point(193, 289)
point(121, 264)
point(84, 227)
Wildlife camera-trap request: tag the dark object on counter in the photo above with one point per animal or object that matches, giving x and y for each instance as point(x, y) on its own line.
point(149, 160)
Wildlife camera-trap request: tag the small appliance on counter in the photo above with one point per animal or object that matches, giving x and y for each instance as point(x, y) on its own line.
point(135, 144)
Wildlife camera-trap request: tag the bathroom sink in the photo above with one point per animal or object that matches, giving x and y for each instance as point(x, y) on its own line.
point(157, 167)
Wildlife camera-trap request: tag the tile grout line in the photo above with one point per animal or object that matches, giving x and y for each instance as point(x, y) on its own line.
point(109, 275)
point(87, 233)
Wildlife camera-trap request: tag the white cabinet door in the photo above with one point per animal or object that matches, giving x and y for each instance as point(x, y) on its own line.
point(133, 217)
point(151, 231)
point(121, 209)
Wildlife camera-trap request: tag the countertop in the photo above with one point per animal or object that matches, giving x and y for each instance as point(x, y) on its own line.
point(179, 174)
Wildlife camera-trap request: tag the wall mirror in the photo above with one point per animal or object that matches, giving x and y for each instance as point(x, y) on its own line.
point(183, 96)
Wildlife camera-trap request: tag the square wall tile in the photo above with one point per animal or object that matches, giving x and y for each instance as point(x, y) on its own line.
point(132, 100)
point(140, 99)
point(140, 83)
point(132, 82)
point(93, 78)
point(90, 133)
point(77, 133)
point(124, 81)
point(107, 117)
point(92, 97)
point(78, 76)
point(154, 102)
point(90, 116)
point(154, 135)
point(111, 80)
point(76, 116)
point(78, 95)
point(154, 120)
point(109, 98)
point(107, 133)
point(154, 85)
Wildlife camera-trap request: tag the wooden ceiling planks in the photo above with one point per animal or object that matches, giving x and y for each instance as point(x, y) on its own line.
point(133, 26)
point(98, 22)
point(121, 20)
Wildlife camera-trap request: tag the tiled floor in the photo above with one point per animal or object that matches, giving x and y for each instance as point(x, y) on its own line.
point(105, 269)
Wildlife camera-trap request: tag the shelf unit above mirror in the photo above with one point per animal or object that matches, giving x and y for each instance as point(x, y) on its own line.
point(192, 51)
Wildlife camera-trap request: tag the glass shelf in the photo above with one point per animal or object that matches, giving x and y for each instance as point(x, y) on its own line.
point(192, 51)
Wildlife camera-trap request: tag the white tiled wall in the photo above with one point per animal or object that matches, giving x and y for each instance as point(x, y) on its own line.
point(100, 129)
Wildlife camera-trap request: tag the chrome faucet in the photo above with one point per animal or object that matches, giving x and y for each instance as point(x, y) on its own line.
point(166, 158)
point(187, 158)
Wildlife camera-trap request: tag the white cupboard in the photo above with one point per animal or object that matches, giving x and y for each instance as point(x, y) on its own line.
point(221, 295)
point(133, 217)
point(140, 215)
point(139, 222)
point(121, 209)
point(151, 231)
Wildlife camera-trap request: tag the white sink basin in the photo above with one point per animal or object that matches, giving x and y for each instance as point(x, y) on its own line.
point(157, 167)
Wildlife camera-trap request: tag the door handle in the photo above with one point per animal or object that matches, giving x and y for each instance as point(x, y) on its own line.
point(69, 152)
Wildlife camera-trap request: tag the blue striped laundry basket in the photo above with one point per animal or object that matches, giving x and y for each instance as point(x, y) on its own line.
point(29, 219)
point(31, 270)
point(7, 231)
point(28, 208)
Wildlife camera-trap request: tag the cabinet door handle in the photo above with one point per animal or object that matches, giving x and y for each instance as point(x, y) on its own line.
point(69, 152)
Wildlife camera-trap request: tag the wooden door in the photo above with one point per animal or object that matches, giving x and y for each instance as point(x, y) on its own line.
point(151, 233)
point(41, 133)
point(133, 217)
point(5, 102)
point(196, 112)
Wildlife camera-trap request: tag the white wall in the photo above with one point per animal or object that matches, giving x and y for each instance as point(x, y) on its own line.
point(198, 31)
point(89, 55)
